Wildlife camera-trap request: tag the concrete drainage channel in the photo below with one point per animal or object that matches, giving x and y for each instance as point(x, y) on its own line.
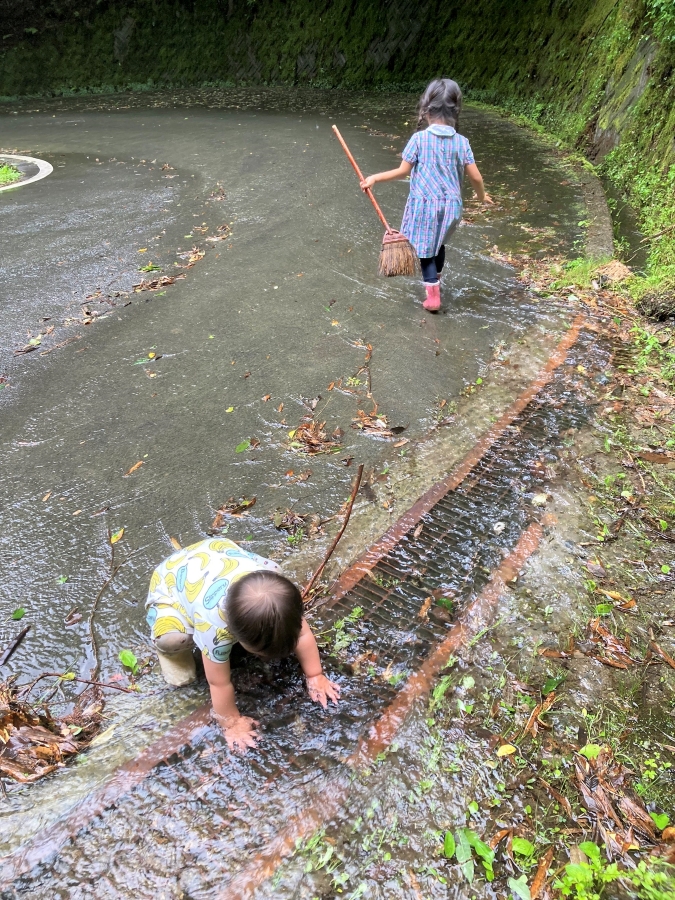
point(186, 819)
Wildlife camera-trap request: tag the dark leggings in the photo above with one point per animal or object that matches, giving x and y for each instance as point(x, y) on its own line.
point(432, 265)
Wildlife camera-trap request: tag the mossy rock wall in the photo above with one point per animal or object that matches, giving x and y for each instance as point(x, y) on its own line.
point(599, 73)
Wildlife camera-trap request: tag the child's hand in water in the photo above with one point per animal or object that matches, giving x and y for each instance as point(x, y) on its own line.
point(488, 201)
point(321, 690)
point(240, 732)
point(368, 182)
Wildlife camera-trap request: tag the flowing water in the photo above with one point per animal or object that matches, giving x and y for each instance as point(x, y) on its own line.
point(273, 314)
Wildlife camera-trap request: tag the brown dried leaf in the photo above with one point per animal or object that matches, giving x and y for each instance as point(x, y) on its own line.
point(540, 877)
point(234, 508)
point(662, 653)
point(424, 608)
point(133, 468)
point(309, 437)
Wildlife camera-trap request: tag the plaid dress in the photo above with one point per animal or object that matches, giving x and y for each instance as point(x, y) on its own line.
point(434, 208)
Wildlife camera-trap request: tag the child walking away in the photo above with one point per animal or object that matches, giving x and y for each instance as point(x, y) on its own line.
point(437, 159)
point(210, 596)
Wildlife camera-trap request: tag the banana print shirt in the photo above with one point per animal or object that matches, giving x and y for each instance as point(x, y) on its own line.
point(188, 590)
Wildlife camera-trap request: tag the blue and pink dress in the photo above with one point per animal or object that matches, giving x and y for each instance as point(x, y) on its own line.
point(434, 208)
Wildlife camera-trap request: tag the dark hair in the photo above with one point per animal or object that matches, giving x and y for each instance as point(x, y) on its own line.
point(441, 100)
point(264, 612)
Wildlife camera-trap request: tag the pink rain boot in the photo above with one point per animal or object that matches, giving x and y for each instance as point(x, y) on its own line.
point(433, 301)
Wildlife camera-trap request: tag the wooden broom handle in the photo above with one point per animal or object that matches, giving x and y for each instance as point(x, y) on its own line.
point(358, 172)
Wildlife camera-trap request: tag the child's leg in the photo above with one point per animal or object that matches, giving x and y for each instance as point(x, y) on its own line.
point(440, 259)
point(172, 639)
point(429, 269)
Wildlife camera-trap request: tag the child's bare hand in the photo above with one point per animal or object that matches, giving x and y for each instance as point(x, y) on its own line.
point(368, 182)
point(488, 201)
point(240, 733)
point(321, 690)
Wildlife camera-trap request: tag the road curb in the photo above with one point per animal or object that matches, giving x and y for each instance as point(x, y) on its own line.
point(44, 169)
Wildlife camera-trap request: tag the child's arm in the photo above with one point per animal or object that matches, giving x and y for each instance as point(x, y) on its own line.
point(239, 730)
point(321, 690)
point(476, 179)
point(402, 172)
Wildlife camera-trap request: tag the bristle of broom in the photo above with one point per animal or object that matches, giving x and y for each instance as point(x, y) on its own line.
point(398, 258)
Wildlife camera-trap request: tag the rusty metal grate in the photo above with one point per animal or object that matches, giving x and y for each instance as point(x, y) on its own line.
point(203, 812)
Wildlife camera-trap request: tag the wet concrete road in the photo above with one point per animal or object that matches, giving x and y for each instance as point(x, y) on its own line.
point(282, 309)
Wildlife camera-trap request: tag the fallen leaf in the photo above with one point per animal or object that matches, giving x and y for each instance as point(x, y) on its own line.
point(233, 508)
point(535, 720)
point(47, 496)
point(662, 653)
point(506, 750)
point(117, 536)
point(280, 407)
point(540, 500)
point(424, 608)
point(562, 800)
point(418, 531)
point(175, 543)
point(310, 437)
point(266, 398)
point(133, 468)
point(539, 880)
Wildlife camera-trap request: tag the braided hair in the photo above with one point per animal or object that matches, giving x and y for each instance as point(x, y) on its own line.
point(441, 100)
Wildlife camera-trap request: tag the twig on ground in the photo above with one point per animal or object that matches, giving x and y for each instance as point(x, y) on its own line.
point(17, 641)
point(26, 689)
point(336, 540)
point(90, 622)
point(658, 234)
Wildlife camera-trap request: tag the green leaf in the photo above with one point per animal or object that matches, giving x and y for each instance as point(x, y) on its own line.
point(473, 807)
point(665, 569)
point(62, 579)
point(591, 850)
point(448, 845)
point(68, 676)
point(468, 682)
point(522, 846)
point(660, 820)
point(243, 446)
point(579, 874)
point(18, 614)
point(591, 751)
point(551, 684)
point(485, 853)
point(603, 609)
point(463, 847)
point(128, 659)
point(519, 887)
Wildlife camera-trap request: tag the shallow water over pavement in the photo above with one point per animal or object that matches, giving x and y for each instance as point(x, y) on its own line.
point(283, 308)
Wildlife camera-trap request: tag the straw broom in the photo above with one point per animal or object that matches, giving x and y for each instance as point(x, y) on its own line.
point(397, 256)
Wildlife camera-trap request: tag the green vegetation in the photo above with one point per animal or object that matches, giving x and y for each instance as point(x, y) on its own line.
point(8, 174)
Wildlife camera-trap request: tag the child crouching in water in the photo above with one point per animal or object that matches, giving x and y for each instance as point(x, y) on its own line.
point(211, 595)
point(437, 159)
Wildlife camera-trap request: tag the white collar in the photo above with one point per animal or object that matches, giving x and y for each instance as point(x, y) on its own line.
point(442, 130)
